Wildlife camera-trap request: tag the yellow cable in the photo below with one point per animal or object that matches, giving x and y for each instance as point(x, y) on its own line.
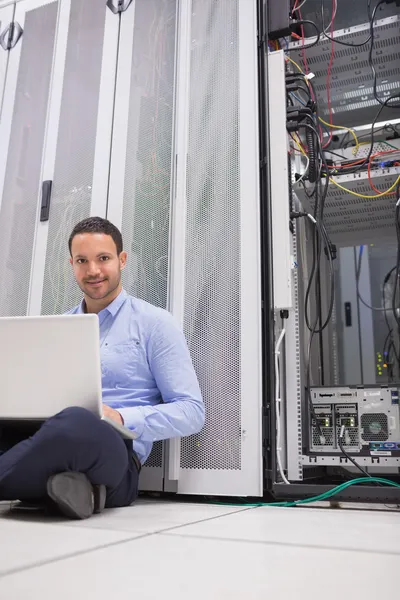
point(299, 146)
point(322, 120)
point(297, 67)
point(355, 150)
point(360, 195)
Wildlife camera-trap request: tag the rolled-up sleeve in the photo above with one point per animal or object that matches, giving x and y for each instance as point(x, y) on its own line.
point(181, 411)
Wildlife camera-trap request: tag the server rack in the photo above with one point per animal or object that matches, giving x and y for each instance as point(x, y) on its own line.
point(346, 357)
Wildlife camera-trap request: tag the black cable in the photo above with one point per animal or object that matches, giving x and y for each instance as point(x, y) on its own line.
point(387, 127)
point(308, 386)
point(323, 239)
point(339, 155)
point(370, 62)
point(301, 22)
point(385, 282)
point(351, 459)
point(316, 257)
point(347, 455)
point(324, 163)
point(338, 41)
point(313, 166)
point(389, 364)
point(386, 342)
point(316, 251)
point(387, 357)
point(396, 281)
point(367, 158)
point(318, 298)
point(390, 330)
point(318, 215)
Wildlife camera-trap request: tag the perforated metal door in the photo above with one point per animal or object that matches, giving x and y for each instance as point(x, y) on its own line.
point(218, 164)
point(22, 134)
point(140, 190)
point(222, 296)
point(78, 136)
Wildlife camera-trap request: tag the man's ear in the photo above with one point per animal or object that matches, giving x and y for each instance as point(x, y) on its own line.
point(71, 261)
point(122, 260)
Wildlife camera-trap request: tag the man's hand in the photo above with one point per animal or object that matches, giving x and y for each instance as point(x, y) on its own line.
point(112, 414)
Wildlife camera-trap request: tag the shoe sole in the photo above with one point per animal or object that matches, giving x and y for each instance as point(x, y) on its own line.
point(73, 494)
point(100, 495)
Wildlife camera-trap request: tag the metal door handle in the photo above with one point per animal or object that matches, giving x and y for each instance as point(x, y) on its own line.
point(46, 198)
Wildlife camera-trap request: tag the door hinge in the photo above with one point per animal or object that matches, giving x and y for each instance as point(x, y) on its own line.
point(118, 6)
point(10, 36)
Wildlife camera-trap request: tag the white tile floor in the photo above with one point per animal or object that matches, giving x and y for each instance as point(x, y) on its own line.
point(157, 549)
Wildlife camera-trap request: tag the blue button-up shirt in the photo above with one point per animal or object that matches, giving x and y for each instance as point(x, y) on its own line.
point(147, 372)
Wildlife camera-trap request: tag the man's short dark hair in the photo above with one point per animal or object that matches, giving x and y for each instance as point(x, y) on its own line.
point(97, 225)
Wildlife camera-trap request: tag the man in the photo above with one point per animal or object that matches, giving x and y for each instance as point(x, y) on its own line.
point(149, 384)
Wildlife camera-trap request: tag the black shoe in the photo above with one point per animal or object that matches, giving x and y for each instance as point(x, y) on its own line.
point(75, 496)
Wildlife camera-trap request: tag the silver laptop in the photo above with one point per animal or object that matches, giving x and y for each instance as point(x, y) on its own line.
point(48, 364)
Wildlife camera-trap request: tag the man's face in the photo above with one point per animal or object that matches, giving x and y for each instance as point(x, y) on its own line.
point(97, 266)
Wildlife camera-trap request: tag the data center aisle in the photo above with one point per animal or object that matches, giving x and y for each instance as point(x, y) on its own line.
point(158, 549)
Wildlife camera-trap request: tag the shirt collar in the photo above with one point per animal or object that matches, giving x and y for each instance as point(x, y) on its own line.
point(112, 308)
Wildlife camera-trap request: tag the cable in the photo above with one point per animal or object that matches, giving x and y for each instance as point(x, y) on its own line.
point(369, 169)
point(372, 134)
point(317, 247)
point(321, 497)
point(333, 15)
point(370, 62)
point(382, 142)
point(305, 170)
point(338, 41)
point(277, 407)
point(323, 238)
point(313, 172)
point(323, 159)
point(339, 155)
point(352, 460)
point(299, 100)
point(295, 7)
point(353, 133)
point(340, 441)
point(330, 125)
point(367, 159)
point(322, 232)
point(385, 282)
point(388, 127)
point(302, 23)
point(298, 144)
point(362, 195)
point(396, 281)
point(297, 66)
point(328, 78)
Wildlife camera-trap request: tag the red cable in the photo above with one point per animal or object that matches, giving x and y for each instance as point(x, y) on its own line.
point(369, 172)
point(328, 78)
point(300, 143)
point(353, 164)
point(306, 69)
point(303, 52)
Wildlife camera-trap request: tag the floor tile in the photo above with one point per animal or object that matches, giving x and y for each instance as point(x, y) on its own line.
point(359, 530)
point(172, 566)
point(25, 542)
point(153, 516)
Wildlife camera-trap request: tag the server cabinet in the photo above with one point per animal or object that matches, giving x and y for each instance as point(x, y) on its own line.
point(22, 139)
point(184, 189)
point(78, 144)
